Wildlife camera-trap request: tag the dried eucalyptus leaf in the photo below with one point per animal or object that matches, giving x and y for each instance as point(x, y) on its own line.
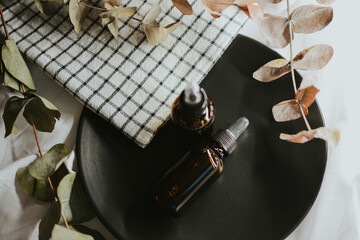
point(325, 2)
point(256, 13)
point(244, 3)
point(111, 23)
point(78, 12)
point(51, 218)
point(12, 109)
point(83, 229)
point(332, 136)
point(313, 58)
point(39, 189)
point(155, 33)
point(310, 18)
point(62, 233)
point(270, 1)
point(287, 110)
point(272, 70)
point(275, 30)
point(214, 14)
point(217, 5)
point(43, 118)
point(49, 7)
point(119, 12)
point(116, 3)
point(74, 204)
point(15, 65)
point(306, 92)
point(43, 167)
point(183, 6)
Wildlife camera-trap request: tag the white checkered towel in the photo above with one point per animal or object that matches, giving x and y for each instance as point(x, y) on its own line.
point(127, 81)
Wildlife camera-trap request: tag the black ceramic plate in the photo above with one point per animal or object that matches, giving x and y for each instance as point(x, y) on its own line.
point(267, 186)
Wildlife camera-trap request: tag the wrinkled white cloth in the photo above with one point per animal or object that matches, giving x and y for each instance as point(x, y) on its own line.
point(336, 212)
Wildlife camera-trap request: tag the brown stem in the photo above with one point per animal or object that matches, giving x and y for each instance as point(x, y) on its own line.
point(4, 23)
point(41, 154)
point(292, 65)
point(90, 6)
point(136, 19)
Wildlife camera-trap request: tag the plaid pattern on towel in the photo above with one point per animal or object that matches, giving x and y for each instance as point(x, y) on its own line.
point(126, 80)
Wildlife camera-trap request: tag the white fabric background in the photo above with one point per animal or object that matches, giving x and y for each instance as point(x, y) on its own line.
point(336, 212)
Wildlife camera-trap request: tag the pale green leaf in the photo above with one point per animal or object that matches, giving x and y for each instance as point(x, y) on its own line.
point(49, 7)
point(15, 64)
point(43, 167)
point(62, 233)
point(39, 189)
point(74, 204)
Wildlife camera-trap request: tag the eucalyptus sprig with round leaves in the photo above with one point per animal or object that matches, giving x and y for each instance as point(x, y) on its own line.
point(279, 32)
point(46, 178)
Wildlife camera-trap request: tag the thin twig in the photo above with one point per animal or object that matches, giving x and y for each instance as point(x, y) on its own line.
point(291, 47)
point(139, 20)
point(90, 6)
point(4, 23)
point(292, 65)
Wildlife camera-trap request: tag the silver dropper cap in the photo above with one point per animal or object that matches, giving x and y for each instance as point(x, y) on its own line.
point(192, 93)
point(227, 138)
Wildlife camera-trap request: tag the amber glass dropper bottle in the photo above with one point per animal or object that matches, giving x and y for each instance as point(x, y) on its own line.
point(193, 110)
point(196, 167)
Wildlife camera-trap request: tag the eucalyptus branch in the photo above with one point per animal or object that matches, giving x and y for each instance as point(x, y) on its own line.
point(292, 64)
point(33, 125)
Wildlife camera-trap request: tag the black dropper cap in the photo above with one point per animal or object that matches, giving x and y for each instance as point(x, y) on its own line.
point(227, 138)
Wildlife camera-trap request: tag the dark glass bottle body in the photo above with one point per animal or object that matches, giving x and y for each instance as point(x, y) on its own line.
point(186, 177)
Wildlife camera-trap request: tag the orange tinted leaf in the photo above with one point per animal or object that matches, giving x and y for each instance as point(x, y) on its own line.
point(332, 136)
point(310, 18)
point(313, 58)
point(243, 3)
point(216, 5)
point(183, 6)
point(272, 70)
point(287, 110)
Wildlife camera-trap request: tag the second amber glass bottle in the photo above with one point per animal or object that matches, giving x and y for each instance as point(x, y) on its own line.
point(193, 110)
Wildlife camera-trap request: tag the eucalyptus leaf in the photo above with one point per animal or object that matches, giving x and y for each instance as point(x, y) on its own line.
point(43, 167)
point(310, 18)
point(47, 223)
point(313, 58)
point(51, 107)
point(43, 118)
point(15, 65)
point(275, 30)
point(272, 70)
point(12, 109)
point(7, 79)
point(183, 6)
point(74, 204)
point(325, 2)
point(155, 33)
point(331, 135)
point(62, 233)
point(288, 110)
point(78, 12)
point(111, 23)
point(83, 229)
point(39, 189)
point(116, 3)
point(49, 7)
point(119, 12)
point(15, 129)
